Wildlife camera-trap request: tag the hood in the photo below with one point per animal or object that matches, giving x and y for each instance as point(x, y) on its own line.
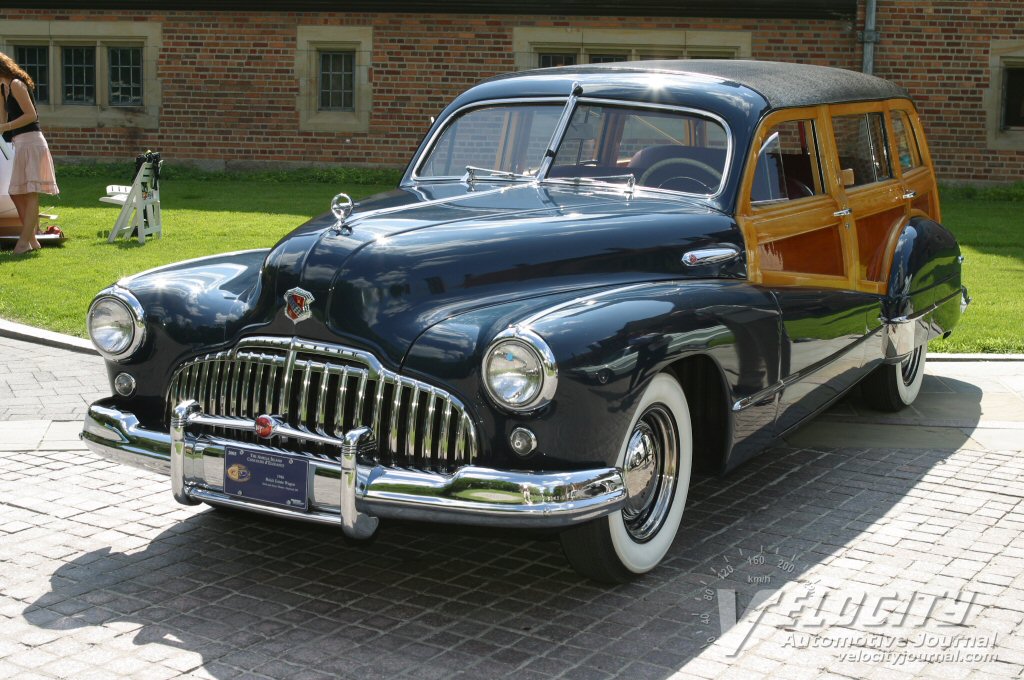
point(417, 256)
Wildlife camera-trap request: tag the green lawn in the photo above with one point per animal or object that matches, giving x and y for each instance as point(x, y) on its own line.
point(215, 213)
point(53, 288)
point(991, 235)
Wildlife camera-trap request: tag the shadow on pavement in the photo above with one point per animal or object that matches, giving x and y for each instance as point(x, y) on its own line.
point(286, 600)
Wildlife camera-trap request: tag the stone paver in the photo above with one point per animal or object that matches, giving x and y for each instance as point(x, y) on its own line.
point(893, 561)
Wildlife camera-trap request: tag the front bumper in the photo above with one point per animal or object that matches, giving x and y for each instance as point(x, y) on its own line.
point(345, 493)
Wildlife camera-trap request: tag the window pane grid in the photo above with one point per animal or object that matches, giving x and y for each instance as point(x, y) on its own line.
point(79, 66)
point(337, 81)
point(36, 62)
point(125, 76)
point(551, 59)
point(607, 58)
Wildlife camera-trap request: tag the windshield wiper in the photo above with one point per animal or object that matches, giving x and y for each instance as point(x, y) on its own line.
point(629, 179)
point(472, 172)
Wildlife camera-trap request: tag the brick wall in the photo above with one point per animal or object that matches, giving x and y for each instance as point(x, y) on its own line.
point(939, 51)
point(229, 86)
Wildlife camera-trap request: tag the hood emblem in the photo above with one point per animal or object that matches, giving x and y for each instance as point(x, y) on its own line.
point(297, 304)
point(264, 427)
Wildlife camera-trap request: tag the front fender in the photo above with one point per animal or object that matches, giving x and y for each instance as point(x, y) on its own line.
point(191, 305)
point(608, 346)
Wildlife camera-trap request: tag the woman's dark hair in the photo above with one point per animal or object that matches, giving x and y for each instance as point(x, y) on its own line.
point(10, 69)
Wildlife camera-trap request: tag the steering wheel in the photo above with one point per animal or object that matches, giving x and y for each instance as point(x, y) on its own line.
point(666, 173)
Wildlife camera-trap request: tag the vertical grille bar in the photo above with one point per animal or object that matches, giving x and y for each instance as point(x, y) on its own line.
point(246, 395)
point(378, 403)
point(225, 387)
point(284, 394)
point(268, 404)
point(442, 440)
point(460, 442)
point(339, 409)
point(410, 425)
point(303, 413)
point(321, 403)
point(396, 406)
point(428, 428)
point(330, 390)
point(357, 419)
point(237, 366)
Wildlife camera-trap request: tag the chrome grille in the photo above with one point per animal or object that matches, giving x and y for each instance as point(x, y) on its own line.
point(327, 390)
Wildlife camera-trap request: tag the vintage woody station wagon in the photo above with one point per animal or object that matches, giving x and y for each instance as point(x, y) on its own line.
point(590, 281)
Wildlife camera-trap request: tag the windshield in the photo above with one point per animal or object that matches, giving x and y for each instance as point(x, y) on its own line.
point(508, 138)
point(660, 148)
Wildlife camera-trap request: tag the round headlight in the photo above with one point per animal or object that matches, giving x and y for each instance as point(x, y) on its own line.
point(519, 370)
point(115, 324)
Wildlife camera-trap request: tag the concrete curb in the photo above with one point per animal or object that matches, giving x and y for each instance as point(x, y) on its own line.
point(974, 357)
point(19, 331)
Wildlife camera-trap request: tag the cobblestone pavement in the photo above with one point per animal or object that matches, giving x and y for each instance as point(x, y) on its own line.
point(867, 546)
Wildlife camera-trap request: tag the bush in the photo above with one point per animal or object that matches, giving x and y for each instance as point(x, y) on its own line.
point(337, 176)
point(1002, 192)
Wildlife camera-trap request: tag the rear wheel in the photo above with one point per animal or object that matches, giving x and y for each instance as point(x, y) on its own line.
point(892, 387)
point(656, 457)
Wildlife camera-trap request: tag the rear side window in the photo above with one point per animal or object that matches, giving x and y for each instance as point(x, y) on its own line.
point(787, 164)
point(860, 140)
point(905, 142)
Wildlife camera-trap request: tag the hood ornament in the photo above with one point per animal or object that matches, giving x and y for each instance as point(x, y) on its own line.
point(341, 206)
point(297, 304)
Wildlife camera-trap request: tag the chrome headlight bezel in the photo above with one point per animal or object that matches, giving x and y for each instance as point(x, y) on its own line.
point(529, 340)
point(136, 321)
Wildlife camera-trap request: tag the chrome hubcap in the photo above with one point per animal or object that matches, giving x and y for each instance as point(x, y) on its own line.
point(652, 453)
point(910, 366)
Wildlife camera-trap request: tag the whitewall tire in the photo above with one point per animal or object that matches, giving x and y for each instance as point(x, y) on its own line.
point(656, 457)
point(892, 387)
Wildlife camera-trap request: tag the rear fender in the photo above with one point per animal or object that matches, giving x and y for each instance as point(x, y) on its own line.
point(925, 295)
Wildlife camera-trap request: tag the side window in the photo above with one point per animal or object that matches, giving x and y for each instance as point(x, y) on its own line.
point(860, 140)
point(787, 164)
point(905, 142)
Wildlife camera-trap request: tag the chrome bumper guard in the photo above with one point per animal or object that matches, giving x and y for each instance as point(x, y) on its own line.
point(347, 493)
point(900, 335)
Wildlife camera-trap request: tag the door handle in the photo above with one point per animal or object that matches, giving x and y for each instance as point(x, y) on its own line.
point(845, 212)
point(909, 195)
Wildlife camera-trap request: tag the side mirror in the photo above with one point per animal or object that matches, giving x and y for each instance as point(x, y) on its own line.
point(846, 174)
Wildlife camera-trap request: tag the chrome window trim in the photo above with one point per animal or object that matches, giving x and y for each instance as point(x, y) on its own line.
point(582, 99)
point(429, 146)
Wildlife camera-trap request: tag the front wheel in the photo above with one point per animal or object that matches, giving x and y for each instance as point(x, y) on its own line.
point(655, 457)
point(892, 387)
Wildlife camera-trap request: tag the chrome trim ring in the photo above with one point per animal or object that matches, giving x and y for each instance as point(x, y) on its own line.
point(549, 376)
point(124, 297)
point(651, 471)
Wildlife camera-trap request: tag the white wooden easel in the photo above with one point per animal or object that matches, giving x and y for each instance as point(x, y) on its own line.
point(140, 206)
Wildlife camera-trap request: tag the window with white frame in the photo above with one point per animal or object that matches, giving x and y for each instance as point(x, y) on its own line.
point(332, 64)
point(90, 73)
point(544, 47)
